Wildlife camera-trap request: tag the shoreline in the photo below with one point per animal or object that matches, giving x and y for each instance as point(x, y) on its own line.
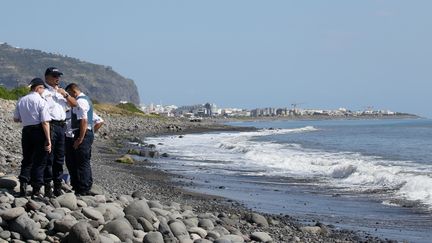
point(147, 178)
point(153, 177)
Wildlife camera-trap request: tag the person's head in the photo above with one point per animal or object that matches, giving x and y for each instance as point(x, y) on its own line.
point(52, 76)
point(37, 85)
point(73, 90)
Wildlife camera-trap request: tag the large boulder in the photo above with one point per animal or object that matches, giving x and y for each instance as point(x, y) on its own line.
point(121, 228)
point(12, 213)
point(258, 219)
point(153, 237)
point(28, 228)
point(179, 230)
point(140, 208)
point(68, 200)
point(83, 232)
point(92, 213)
point(261, 237)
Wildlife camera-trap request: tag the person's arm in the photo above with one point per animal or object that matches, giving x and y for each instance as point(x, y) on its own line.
point(46, 129)
point(71, 101)
point(83, 107)
point(83, 130)
point(98, 125)
point(16, 115)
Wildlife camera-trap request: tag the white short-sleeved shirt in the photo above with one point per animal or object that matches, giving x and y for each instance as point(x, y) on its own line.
point(69, 130)
point(57, 104)
point(32, 109)
point(97, 119)
point(81, 109)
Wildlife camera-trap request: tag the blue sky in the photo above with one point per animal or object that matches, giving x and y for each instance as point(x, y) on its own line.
point(244, 53)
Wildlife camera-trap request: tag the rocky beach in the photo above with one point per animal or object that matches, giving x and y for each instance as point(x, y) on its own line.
point(136, 203)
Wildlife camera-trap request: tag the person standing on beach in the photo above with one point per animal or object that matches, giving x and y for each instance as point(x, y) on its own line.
point(58, 102)
point(32, 112)
point(78, 149)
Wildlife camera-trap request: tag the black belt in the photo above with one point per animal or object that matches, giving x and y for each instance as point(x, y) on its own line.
point(58, 122)
point(37, 126)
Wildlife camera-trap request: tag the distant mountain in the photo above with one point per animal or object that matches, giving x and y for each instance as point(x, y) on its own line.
point(18, 66)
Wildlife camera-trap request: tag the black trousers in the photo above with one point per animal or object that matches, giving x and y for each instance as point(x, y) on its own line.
point(54, 167)
point(34, 156)
point(78, 162)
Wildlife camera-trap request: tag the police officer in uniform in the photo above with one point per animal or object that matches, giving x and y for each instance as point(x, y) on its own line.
point(32, 112)
point(58, 102)
point(78, 149)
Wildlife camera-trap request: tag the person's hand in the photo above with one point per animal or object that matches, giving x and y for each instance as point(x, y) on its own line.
point(61, 91)
point(77, 143)
point(48, 147)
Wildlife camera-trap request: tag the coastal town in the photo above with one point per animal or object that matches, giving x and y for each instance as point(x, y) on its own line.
point(212, 110)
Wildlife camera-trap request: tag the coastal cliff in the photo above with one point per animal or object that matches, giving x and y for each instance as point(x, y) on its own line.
point(18, 66)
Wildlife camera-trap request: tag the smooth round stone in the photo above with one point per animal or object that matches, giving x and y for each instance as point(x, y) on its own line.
point(140, 208)
point(115, 209)
point(206, 224)
point(138, 194)
point(153, 237)
point(81, 203)
point(106, 239)
point(97, 190)
point(222, 241)
point(311, 229)
point(4, 199)
point(8, 182)
point(202, 241)
point(12, 213)
point(54, 215)
point(232, 238)
point(261, 237)
point(259, 220)
point(20, 202)
point(91, 213)
point(155, 204)
point(213, 235)
point(147, 226)
point(134, 222)
point(175, 215)
point(55, 203)
point(175, 205)
point(121, 228)
point(139, 234)
point(33, 205)
point(199, 231)
point(84, 233)
point(5, 234)
point(100, 198)
point(68, 200)
point(179, 230)
point(191, 222)
point(188, 214)
point(26, 227)
point(160, 212)
point(64, 225)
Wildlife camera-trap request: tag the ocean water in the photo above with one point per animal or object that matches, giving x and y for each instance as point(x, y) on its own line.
point(327, 170)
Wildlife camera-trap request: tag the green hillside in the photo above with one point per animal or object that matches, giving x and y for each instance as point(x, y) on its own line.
point(18, 66)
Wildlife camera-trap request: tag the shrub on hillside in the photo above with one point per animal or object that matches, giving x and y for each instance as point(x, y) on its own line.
point(129, 107)
point(13, 94)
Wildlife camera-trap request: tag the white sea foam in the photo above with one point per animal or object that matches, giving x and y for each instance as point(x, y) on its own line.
point(231, 151)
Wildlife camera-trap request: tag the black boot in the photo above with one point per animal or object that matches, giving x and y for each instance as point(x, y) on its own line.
point(57, 189)
point(48, 190)
point(36, 191)
point(23, 189)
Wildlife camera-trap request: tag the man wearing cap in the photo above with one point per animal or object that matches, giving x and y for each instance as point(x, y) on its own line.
point(32, 112)
point(58, 102)
point(78, 149)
